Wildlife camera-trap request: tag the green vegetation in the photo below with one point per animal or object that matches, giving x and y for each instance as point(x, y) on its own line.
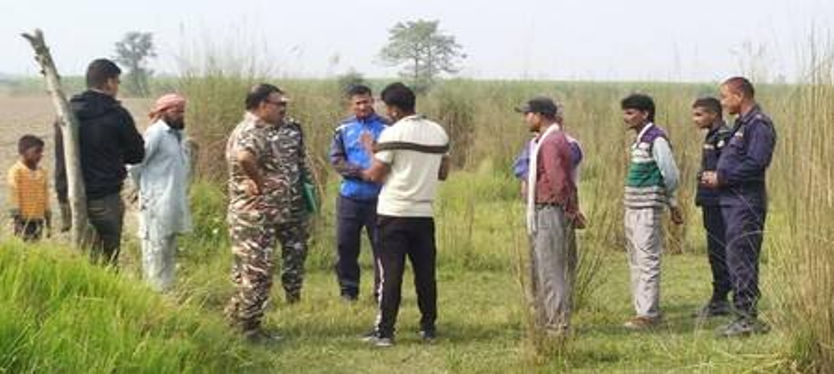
point(59, 314)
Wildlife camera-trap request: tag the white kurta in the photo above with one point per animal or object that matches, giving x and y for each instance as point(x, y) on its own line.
point(162, 180)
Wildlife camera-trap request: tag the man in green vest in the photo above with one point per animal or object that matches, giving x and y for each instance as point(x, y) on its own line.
point(650, 186)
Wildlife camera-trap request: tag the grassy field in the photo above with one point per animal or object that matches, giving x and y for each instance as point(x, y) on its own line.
point(61, 315)
point(78, 317)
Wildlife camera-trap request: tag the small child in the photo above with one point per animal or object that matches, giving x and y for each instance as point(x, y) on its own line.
point(706, 114)
point(28, 197)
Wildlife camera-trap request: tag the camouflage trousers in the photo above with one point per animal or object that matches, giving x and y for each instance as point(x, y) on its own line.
point(252, 271)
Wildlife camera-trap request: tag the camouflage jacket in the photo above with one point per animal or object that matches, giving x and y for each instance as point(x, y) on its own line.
point(288, 145)
point(281, 159)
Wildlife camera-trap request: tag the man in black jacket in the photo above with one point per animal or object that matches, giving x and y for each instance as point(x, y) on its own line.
point(108, 140)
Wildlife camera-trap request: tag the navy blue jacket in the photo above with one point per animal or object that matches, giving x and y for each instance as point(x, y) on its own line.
point(349, 155)
point(715, 141)
point(742, 164)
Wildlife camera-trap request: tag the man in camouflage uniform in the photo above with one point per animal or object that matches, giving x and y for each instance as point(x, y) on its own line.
point(288, 145)
point(266, 161)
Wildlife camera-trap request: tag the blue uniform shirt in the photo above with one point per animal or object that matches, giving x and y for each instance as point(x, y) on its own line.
point(714, 143)
point(742, 164)
point(521, 165)
point(350, 153)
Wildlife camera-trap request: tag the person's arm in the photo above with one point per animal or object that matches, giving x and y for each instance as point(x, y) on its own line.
point(132, 144)
point(47, 212)
point(662, 153)
point(445, 165)
point(304, 161)
point(555, 155)
point(151, 145)
point(339, 160)
point(61, 187)
point(760, 143)
point(14, 194)
point(381, 166)
point(249, 163)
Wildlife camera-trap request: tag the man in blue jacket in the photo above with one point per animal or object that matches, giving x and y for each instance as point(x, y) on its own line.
point(740, 180)
point(351, 152)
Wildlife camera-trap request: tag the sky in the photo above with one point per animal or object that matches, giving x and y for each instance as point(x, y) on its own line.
point(663, 40)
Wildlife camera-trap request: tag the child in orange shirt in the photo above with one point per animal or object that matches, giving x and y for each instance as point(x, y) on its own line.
point(28, 196)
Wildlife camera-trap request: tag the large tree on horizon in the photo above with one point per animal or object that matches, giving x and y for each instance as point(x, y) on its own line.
point(424, 51)
point(133, 52)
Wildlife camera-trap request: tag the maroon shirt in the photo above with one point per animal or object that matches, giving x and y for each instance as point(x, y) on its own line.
point(554, 182)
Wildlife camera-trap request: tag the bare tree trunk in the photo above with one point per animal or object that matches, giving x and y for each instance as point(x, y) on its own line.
point(69, 130)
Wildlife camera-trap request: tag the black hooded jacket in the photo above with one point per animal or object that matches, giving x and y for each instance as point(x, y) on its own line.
point(108, 140)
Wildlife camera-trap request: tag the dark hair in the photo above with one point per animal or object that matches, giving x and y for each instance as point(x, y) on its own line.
point(399, 96)
point(641, 102)
point(742, 85)
point(259, 93)
point(99, 71)
point(358, 89)
point(710, 103)
point(28, 141)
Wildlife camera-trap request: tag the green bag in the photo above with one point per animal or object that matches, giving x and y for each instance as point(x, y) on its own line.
point(311, 204)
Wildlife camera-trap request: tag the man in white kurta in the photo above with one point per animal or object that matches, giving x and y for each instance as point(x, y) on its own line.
point(162, 181)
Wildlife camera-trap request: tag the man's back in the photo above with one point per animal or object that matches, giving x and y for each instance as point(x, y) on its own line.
point(108, 139)
point(413, 148)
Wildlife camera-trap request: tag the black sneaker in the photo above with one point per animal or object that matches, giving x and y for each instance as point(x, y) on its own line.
point(349, 298)
point(743, 326)
point(713, 309)
point(293, 298)
point(428, 335)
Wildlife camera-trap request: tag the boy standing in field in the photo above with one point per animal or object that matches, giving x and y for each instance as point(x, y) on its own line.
point(706, 114)
point(28, 198)
point(650, 186)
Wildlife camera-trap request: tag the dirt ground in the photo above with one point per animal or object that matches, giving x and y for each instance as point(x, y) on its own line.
point(35, 115)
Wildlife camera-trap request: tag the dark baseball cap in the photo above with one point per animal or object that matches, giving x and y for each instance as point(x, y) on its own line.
point(539, 104)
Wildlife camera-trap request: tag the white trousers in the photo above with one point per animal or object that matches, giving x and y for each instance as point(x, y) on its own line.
point(644, 244)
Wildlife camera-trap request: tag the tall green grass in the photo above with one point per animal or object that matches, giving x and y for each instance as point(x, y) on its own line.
point(60, 314)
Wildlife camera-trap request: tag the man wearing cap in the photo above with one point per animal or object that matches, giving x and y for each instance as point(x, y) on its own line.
point(162, 180)
point(552, 215)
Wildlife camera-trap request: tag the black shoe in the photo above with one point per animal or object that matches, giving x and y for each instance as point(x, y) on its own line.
point(349, 298)
point(428, 335)
point(293, 298)
point(743, 326)
point(713, 309)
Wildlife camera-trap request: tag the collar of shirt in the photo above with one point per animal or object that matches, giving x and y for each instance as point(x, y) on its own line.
point(251, 117)
point(373, 117)
point(643, 131)
point(716, 126)
point(22, 165)
point(755, 110)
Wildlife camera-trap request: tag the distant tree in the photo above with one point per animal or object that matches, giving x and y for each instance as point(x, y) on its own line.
point(423, 49)
point(133, 52)
point(349, 79)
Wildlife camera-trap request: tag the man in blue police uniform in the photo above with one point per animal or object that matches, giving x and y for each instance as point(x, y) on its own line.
point(351, 152)
point(707, 115)
point(740, 180)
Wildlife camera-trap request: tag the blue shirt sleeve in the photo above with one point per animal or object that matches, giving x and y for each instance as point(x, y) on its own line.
point(522, 162)
point(338, 158)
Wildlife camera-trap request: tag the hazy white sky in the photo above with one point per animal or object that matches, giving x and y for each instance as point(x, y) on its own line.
point(561, 39)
